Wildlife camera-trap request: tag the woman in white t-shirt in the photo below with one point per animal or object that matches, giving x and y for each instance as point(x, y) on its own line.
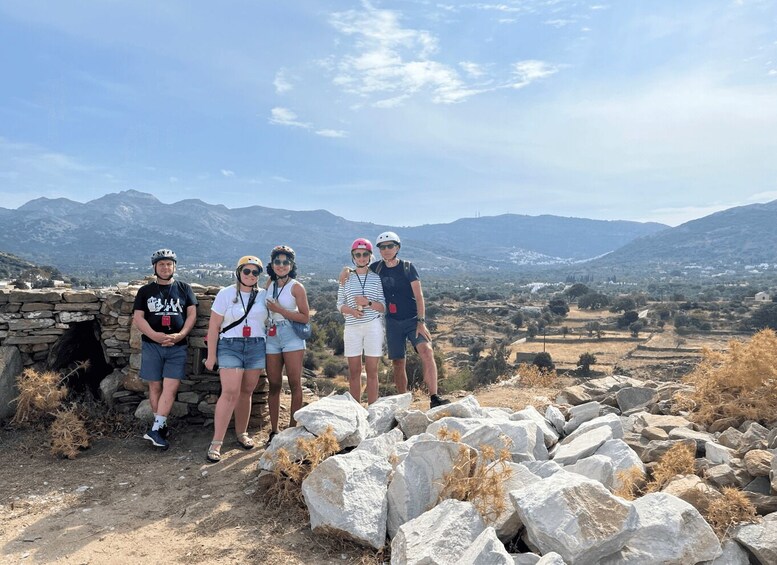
point(236, 338)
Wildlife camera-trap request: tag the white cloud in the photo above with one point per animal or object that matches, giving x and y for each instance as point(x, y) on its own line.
point(279, 178)
point(474, 70)
point(285, 117)
point(227, 173)
point(281, 82)
point(766, 196)
point(395, 60)
point(331, 133)
point(526, 72)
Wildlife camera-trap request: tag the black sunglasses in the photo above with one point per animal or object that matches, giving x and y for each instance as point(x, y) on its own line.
point(360, 255)
point(387, 246)
point(279, 262)
point(255, 272)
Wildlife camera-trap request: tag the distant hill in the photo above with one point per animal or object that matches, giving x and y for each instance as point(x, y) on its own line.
point(731, 239)
point(12, 266)
point(124, 228)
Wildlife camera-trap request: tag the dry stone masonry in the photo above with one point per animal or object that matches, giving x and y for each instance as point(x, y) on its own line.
point(36, 326)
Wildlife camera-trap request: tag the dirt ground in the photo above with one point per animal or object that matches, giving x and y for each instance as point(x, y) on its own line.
point(122, 501)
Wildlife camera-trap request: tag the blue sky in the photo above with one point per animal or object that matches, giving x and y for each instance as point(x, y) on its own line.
point(403, 112)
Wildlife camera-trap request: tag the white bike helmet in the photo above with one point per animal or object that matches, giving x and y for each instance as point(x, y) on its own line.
point(387, 236)
point(163, 254)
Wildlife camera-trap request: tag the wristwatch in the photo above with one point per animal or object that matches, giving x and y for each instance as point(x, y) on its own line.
point(421, 320)
point(369, 303)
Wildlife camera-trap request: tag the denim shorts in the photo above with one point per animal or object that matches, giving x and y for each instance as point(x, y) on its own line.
point(241, 353)
point(397, 331)
point(157, 362)
point(284, 339)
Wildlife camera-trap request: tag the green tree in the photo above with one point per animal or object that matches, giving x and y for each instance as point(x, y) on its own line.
point(543, 361)
point(577, 290)
point(593, 301)
point(764, 317)
point(558, 306)
point(584, 363)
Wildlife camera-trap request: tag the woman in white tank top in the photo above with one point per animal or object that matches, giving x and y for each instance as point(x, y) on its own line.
point(287, 302)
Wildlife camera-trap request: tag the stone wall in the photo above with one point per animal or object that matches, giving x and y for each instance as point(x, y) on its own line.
point(35, 321)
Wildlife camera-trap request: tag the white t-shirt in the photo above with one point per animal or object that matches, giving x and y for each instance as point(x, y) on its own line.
point(225, 305)
point(284, 298)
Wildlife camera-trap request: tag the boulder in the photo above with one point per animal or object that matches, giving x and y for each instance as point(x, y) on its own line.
point(439, 536)
point(382, 414)
point(582, 446)
point(346, 497)
point(671, 532)
point(759, 539)
point(574, 516)
point(486, 550)
point(340, 412)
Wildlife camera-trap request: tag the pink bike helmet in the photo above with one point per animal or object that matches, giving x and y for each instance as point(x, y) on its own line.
point(361, 243)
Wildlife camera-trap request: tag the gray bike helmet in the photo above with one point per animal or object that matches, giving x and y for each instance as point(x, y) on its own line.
point(163, 255)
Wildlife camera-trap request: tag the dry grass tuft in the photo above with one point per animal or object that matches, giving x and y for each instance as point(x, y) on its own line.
point(632, 482)
point(68, 434)
point(680, 459)
point(477, 477)
point(727, 511)
point(289, 472)
point(40, 394)
point(737, 383)
point(534, 377)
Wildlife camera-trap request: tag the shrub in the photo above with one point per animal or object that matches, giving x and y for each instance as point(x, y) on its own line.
point(727, 511)
point(738, 383)
point(584, 362)
point(289, 472)
point(477, 476)
point(40, 394)
point(543, 361)
point(678, 460)
point(334, 367)
point(68, 434)
point(532, 376)
point(488, 369)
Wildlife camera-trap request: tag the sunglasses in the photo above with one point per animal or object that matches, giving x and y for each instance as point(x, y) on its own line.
point(360, 255)
point(255, 272)
point(387, 246)
point(279, 262)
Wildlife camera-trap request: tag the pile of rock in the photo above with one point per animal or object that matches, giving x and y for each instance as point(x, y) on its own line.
point(559, 504)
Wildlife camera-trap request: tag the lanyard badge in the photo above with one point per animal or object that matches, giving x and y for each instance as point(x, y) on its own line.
point(246, 331)
point(272, 330)
point(166, 321)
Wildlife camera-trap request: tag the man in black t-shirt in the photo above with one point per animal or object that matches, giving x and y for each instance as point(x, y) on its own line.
point(405, 315)
point(165, 311)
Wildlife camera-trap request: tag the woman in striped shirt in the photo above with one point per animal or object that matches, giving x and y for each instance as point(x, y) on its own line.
point(362, 303)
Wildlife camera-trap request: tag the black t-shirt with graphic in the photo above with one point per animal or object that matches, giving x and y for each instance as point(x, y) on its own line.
point(400, 300)
point(164, 306)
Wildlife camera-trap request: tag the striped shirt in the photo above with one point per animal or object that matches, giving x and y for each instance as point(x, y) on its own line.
point(368, 285)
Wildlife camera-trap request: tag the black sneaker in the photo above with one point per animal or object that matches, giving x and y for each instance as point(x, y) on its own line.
point(163, 431)
point(156, 438)
point(435, 401)
point(270, 438)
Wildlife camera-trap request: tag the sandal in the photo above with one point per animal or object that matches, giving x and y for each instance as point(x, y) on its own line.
point(214, 452)
point(245, 441)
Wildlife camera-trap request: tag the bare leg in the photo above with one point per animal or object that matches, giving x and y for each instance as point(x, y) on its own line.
point(225, 406)
point(293, 362)
point(400, 376)
point(355, 377)
point(429, 366)
point(169, 392)
point(243, 408)
point(275, 380)
point(154, 392)
point(371, 364)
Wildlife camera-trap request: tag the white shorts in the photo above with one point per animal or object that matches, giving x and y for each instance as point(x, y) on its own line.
point(366, 338)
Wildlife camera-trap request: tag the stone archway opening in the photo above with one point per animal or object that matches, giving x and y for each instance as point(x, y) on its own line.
point(80, 342)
